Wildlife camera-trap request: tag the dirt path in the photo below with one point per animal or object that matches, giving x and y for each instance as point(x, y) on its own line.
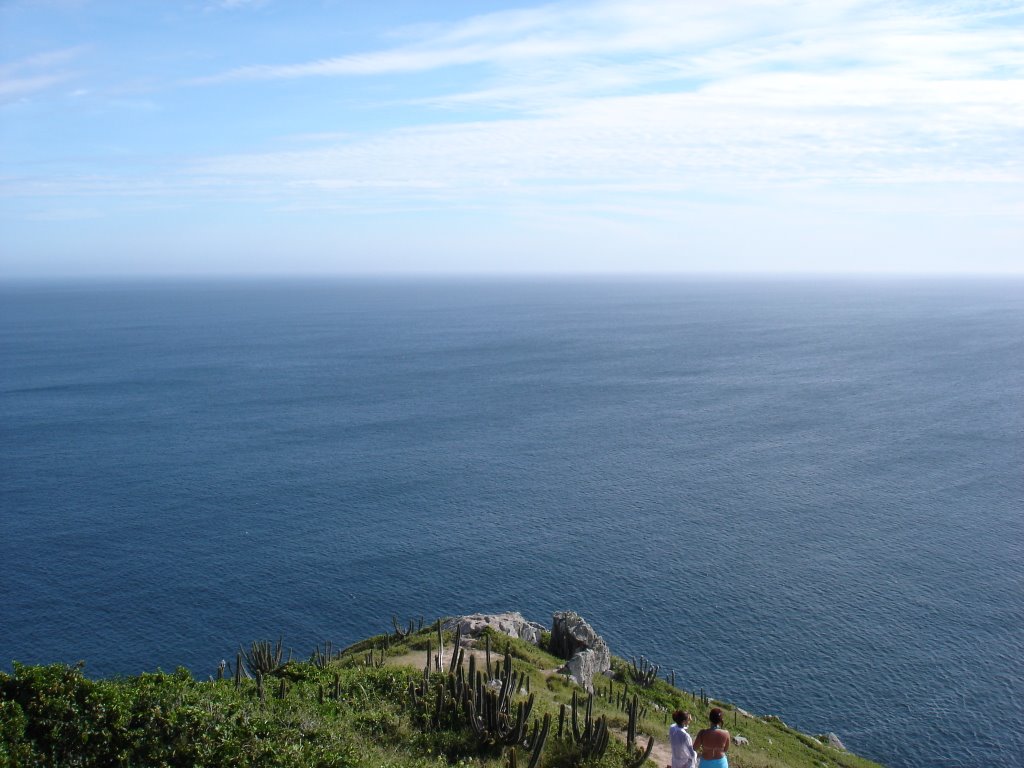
point(661, 755)
point(662, 752)
point(417, 659)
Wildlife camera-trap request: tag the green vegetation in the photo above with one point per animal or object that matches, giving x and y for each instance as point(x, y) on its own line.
point(381, 703)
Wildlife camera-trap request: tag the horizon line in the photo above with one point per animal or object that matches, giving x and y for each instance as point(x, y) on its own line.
point(427, 276)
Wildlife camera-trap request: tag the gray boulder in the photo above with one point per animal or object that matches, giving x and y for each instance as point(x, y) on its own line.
point(833, 741)
point(512, 624)
point(586, 652)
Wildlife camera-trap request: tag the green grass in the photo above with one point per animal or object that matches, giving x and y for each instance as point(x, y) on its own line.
point(56, 716)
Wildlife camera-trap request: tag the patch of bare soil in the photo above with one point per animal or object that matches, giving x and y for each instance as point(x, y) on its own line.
point(417, 659)
point(661, 755)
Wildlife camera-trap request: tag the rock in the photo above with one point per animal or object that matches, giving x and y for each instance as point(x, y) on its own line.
point(511, 624)
point(587, 653)
point(585, 664)
point(833, 741)
point(741, 740)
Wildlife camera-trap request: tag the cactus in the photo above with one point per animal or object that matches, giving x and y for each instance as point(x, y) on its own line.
point(644, 673)
point(535, 743)
point(400, 634)
point(591, 740)
point(321, 659)
point(489, 712)
point(487, 646)
point(438, 707)
point(411, 627)
point(456, 660)
point(262, 657)
point(238, 671)
point(440, 646)
point(462, 698)
point(636, 756)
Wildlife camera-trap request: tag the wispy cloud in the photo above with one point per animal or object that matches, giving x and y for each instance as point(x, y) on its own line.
point(234, 4)
point(697, 97)
point(694, 35)
point(33, 74)
point(613, 113)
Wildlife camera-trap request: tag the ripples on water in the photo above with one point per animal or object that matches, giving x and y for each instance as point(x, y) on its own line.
point(804, 497)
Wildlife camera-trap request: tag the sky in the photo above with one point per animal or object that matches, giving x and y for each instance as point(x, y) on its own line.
point(290, 137)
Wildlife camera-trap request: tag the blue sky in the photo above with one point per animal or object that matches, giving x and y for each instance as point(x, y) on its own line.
point(273, 137)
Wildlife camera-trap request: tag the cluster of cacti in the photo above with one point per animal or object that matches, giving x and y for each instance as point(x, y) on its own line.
point(321, 659)
point(635, 756)
point(472, 699)
point(534, 744)
point(371, 659)
point(335, 690)
point(620, 698)
point(262, 657)
point(402, 633)
point(436, 661)
point(435, 709)
point(644, 673)
point(489, 711)
point(591, 740)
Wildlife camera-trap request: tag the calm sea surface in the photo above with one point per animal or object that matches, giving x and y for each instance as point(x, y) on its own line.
point(806, 497)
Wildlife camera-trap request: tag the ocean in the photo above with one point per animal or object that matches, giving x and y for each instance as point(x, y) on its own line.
point(804, 495)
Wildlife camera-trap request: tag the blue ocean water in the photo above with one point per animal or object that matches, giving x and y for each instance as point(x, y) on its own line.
point(804, 496)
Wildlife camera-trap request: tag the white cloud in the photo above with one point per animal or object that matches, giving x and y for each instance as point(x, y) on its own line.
point(667, 114)
point(36, 73)
point(233, 4)
point(698, 95)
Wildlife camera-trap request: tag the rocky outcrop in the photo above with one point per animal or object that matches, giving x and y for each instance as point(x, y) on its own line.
point(834, 741)
point(585, 651)
point(512, 624)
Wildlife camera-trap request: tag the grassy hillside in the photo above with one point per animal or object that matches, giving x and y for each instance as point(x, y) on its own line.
point(370, 706)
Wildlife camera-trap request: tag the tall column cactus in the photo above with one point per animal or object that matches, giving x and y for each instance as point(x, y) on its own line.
point(591, 740)
point(636, 756)
point(535, 744)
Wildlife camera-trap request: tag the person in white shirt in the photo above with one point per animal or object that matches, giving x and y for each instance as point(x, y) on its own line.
point(683, 753)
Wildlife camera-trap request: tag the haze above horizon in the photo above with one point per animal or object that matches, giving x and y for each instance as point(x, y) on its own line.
point(258, 137)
